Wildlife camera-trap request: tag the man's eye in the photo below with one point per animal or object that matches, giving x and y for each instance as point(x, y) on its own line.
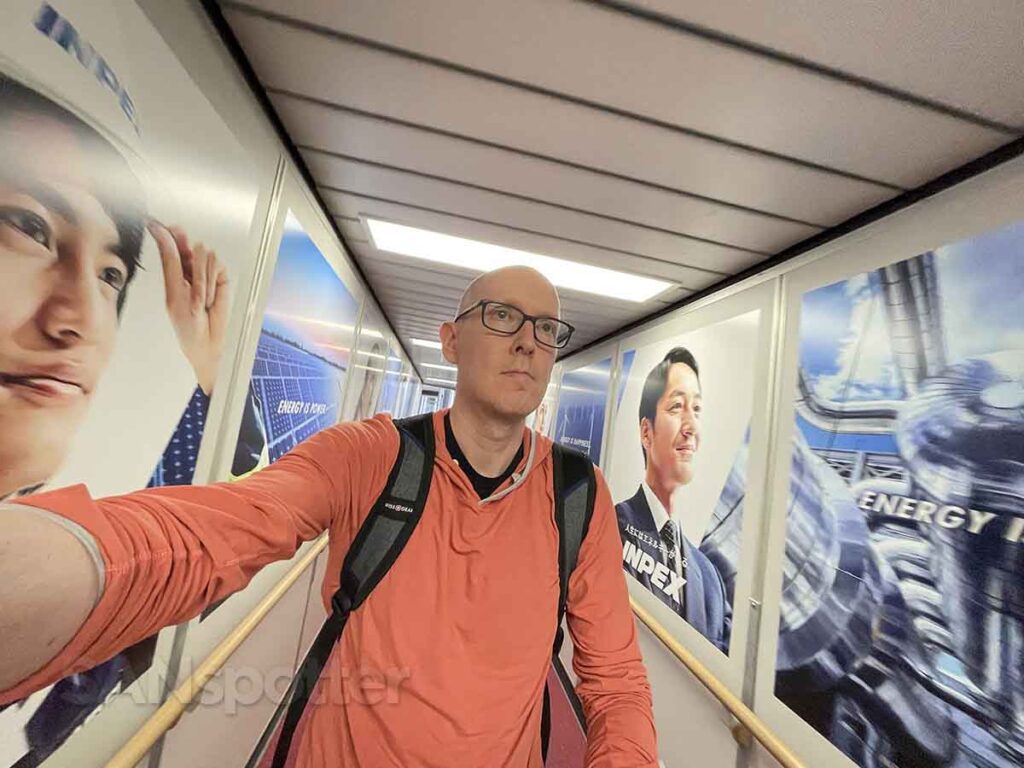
point(114, 277)
point(29, 224)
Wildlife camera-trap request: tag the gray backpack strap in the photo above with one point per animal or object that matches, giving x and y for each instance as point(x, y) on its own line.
point(374, 550)
point(575, 487)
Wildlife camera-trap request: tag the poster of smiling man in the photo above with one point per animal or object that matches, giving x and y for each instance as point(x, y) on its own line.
point(124, 234)
point(684, 407)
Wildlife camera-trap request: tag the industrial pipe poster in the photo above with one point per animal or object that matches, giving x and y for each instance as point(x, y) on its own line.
point(683, 415)
point(902, 614)
point(579, 421)
point(305, 345)
point(126, 212)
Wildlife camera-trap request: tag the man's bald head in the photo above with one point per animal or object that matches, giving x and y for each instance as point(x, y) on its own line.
point(501, 375)
point(510, 280)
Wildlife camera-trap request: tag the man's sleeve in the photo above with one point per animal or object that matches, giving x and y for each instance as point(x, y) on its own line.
point(167, 553)
point(613, 683)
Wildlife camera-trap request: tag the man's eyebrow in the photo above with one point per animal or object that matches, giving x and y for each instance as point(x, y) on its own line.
point(53, 200)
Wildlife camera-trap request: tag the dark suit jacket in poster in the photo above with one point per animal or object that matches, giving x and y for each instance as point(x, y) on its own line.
point(707, 606)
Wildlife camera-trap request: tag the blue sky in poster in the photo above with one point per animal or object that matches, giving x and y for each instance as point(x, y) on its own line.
point(845, 348)
point(298, 375)
point(308, 303)
point(581, 408)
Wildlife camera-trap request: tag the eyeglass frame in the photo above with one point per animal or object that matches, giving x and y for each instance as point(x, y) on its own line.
point(482, 305)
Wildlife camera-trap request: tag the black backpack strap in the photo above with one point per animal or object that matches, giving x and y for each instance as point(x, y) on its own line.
point(575, 487)
point(377, 545)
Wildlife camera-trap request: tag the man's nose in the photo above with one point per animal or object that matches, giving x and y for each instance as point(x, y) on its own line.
point(71, 312)
point(525, 341)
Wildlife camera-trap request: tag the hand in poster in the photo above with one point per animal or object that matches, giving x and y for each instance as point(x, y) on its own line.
point(197, 296)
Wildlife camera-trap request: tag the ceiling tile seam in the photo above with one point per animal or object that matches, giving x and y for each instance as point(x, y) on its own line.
point(808, 65)
point(317, 29)
point(225, 33)
point(626, 222)
point(584, 243)
point(338, 107)
point(610, 249)
point(690, 195)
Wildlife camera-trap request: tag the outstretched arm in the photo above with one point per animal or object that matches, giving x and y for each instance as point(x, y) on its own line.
point(164, 554)
point(37, 551)
point(613, 683)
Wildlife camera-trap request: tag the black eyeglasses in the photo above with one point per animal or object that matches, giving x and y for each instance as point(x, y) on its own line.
point(507, 320)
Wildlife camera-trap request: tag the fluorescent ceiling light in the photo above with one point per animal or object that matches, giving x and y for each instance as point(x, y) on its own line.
point(427, 344)
point(439, 367)
point(483, 257)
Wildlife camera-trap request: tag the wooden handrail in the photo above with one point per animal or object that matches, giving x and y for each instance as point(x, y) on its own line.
point(746, 717)
point(171, 710)
point(168, 714)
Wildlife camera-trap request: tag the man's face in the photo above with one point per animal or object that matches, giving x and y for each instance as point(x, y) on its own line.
point(672, 441)
point(506, 376)
point(60, 278)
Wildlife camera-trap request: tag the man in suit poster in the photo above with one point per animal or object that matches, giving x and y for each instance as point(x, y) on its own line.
point(683, 410)
point(655, 551)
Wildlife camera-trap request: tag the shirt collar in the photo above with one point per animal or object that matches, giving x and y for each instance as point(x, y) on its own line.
point(658, 510)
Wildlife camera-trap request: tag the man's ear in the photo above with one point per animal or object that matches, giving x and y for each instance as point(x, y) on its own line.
point(448, 346)
point(646, 434)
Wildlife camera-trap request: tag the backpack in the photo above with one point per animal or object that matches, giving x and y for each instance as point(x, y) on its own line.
point(386, 531)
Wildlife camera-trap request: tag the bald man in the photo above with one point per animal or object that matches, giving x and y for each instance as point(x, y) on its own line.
point(445, 663)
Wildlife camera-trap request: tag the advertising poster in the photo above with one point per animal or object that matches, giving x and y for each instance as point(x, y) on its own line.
point(683, 416)
point(124, 235)
point(902, 614)
point(579, 422)
point(367, 374)
point(407, 392)
point(542, 418)
point(392, 380)
point(298, 378)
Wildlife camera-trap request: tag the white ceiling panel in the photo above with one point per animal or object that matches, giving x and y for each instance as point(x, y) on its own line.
point(645, 207)
point(447, 286)
point(538, 126)
point(357, 232)
point(590, 53)
point(492, 169)
point(714, 260)
point(967, 55)
point(687, 140)
point(451, 198)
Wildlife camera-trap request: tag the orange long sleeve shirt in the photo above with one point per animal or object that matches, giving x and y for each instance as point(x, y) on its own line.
point(455, 641)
